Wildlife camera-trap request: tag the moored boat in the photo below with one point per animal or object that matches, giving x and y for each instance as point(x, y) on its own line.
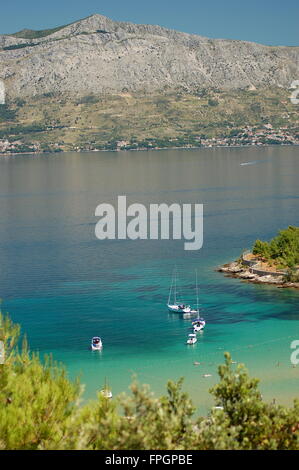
point(191, 338)
point(96, 343)
point(173, 304)
point(106, 391)
point(180, 308)
point(198, 325)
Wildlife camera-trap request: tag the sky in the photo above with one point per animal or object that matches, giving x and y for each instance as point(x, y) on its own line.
point(272, 22)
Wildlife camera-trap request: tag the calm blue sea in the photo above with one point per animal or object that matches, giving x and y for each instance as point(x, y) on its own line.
point(65, 286)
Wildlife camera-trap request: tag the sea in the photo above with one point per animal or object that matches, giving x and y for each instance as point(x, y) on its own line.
point(64, 286)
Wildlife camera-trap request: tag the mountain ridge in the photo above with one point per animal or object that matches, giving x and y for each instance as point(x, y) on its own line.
point(98, 17)
point(90, 23)
point(99, 55)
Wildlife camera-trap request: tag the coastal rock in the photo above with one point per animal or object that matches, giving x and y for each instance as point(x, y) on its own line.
point(233, 267)
point(241, 271)
point(98, 55)
point(270, 279)
point(247, 275)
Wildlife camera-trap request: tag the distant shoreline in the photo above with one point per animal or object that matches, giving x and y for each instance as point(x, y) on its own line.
point(7, 154)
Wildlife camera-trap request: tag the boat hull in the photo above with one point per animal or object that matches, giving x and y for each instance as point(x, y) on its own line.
point(177, 309)
point(198, 328)
point(192, 341)
point(106, 393)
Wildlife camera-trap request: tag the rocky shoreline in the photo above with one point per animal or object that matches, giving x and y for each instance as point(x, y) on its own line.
point(238, 270)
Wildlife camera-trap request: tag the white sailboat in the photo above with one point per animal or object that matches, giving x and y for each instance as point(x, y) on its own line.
point(199, 323)
point(173, 304)
point(106, 390)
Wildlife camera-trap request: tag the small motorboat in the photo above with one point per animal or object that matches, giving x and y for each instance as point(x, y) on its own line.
point(191, 338)
point(96, 343)
point(198, 325)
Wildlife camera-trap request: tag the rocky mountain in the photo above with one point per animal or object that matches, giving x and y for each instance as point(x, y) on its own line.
point(98, 55)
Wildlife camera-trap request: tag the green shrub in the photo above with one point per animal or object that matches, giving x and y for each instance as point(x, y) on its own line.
point(19, 46)
point(88, 99)
point(212, 102)
point(261, 248)
point(6, 114)
point(283, 249)
point(292, 275)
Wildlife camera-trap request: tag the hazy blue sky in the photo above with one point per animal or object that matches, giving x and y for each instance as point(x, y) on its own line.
point(264, 21)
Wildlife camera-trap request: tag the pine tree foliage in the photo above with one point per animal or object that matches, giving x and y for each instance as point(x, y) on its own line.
point(282, 250)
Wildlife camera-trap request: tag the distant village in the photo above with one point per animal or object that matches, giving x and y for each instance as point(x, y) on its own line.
point(256, 136)
point(17, 146)
point(247, 136)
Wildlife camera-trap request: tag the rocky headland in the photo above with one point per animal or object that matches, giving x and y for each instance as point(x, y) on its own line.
point(256, 274)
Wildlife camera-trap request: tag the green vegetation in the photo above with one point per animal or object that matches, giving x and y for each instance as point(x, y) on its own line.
point(39, 409)
point(292, 275)
point(6, 114)
point(88, 99)
point(176, 118)
point(212, 102)
point(21, 130)
point(19, 46)
point(19, 102)
point(282, 250)
point(32, 34)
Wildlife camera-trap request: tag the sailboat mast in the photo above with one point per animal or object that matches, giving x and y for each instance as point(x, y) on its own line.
point(170, 290)
point(197, 304)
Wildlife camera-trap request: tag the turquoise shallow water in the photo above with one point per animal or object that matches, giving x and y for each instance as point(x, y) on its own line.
point(64, 286)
